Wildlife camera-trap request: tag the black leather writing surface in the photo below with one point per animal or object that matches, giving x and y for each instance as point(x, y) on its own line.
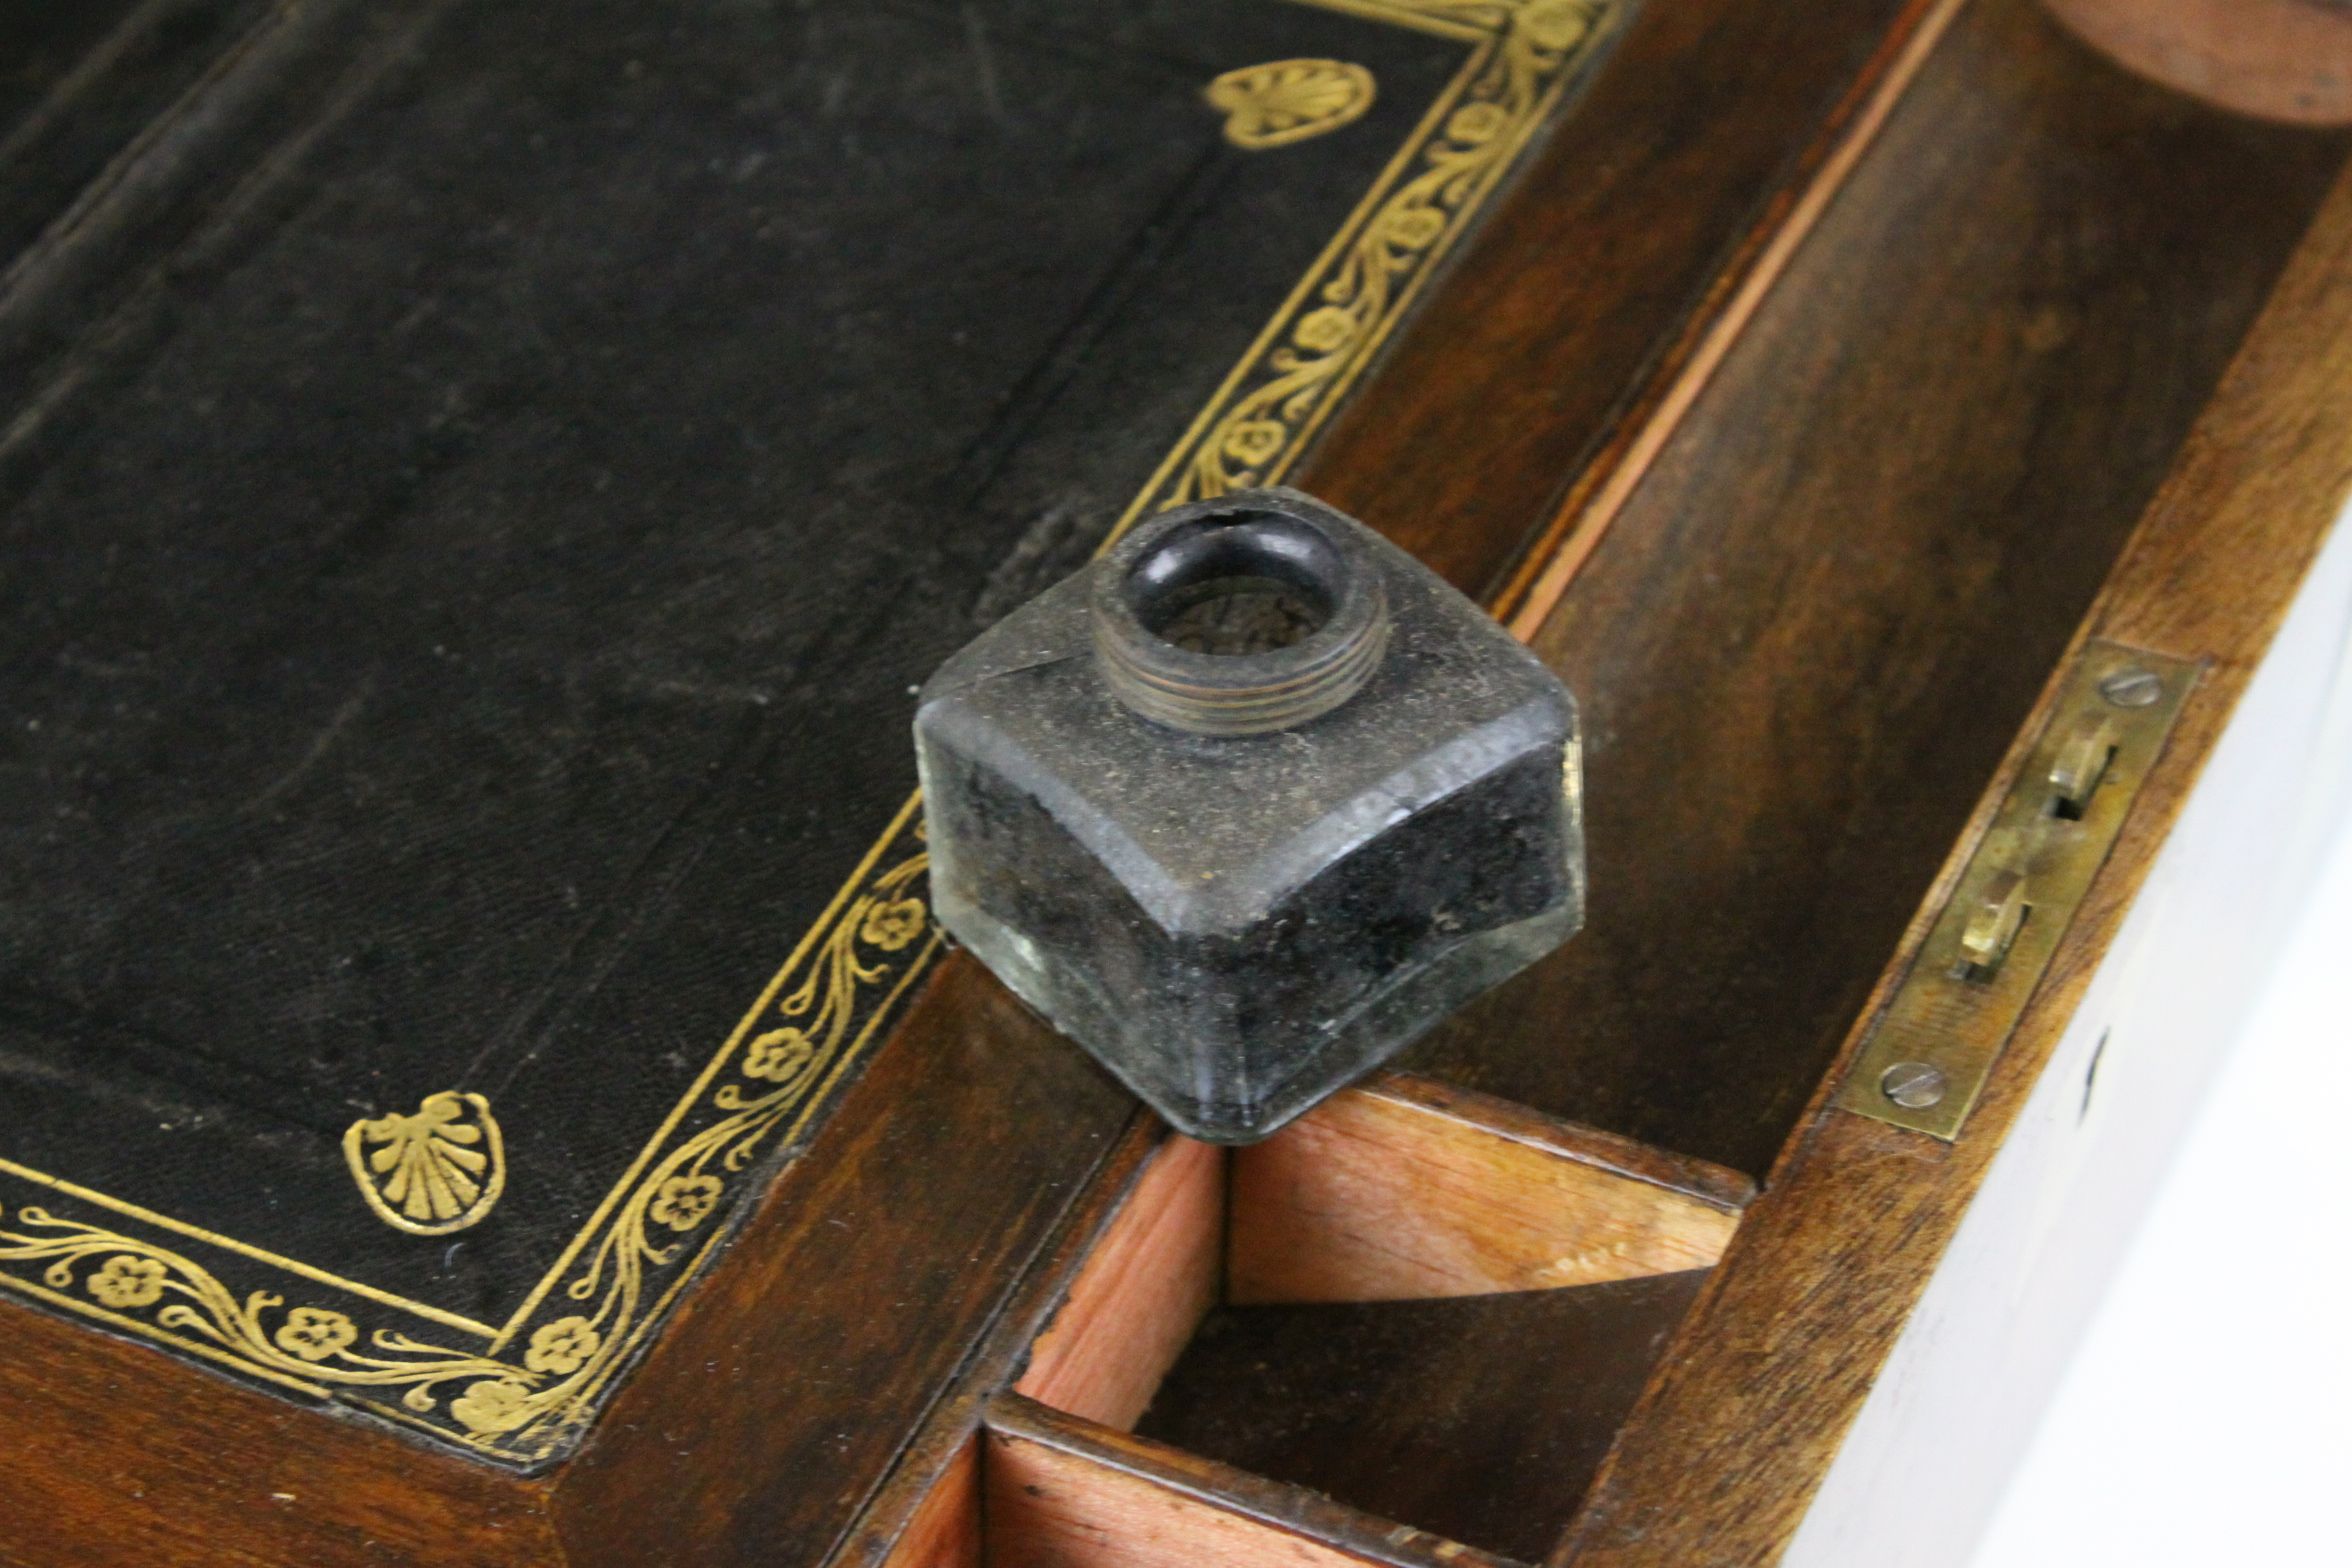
point(80, 82)
point(463, 592)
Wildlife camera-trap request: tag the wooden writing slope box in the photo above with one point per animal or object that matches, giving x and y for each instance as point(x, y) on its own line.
point(478, 1084)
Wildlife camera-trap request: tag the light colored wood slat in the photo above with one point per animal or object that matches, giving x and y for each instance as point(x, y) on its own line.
point(1148, 1283)
point(1405, 1190)
point(2281, 59)
point(944, 1531)
point(1055, 1509)
point(1062, 1492)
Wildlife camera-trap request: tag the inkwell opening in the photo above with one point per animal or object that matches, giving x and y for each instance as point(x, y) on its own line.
point(1238, 623)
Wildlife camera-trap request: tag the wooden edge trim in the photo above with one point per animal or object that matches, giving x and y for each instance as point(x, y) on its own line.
point(1760, 1382)
point(1063, 1490)
point(896, 1505)
point(64, 1481)
point(1410, 1190)
point(1718, 1186)
point(1148, 1280)
point(1559, 550)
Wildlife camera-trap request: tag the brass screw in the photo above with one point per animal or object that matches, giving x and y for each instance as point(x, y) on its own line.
point(2132, 688)
point(1913, 1085)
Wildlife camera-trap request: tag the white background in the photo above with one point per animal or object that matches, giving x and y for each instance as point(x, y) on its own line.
point(2207, 1418)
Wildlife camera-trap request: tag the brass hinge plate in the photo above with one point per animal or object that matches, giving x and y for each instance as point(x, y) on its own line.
point(1926, 1058)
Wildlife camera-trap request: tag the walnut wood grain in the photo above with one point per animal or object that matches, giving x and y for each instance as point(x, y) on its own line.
point(1566, 337)
point(1721, 1459)
point(98, 1426)
point(979, 1127)
point(1592, 502)
point(1404, 1189)
point(1809, 638)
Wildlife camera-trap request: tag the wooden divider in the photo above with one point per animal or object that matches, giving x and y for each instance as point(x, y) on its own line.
point(1064, 1492)
point(1397, 1190)
point(945, 1530)
point(1152, 1276)
point(1407, 1189)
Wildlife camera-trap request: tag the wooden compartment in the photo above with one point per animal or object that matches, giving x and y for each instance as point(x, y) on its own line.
point(1413, 1304)
point(1439, 1307)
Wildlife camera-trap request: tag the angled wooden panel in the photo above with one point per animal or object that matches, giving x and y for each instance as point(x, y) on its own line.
point(1403, 1190)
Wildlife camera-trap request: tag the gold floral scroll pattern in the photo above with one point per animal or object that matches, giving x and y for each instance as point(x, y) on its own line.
point(862, 958)
point(131, 1278)
point(1312, 354)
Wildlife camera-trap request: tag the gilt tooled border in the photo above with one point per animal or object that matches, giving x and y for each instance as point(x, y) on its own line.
point(532, 1384)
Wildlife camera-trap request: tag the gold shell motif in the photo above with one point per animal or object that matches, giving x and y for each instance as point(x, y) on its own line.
point(1288, 101)
point(438, 1171)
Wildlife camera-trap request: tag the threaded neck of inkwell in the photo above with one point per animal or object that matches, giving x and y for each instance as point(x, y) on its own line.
point(1239, 617)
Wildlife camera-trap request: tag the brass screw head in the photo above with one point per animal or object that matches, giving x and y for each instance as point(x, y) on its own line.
point(1913, 1085)
point(2132, 688)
